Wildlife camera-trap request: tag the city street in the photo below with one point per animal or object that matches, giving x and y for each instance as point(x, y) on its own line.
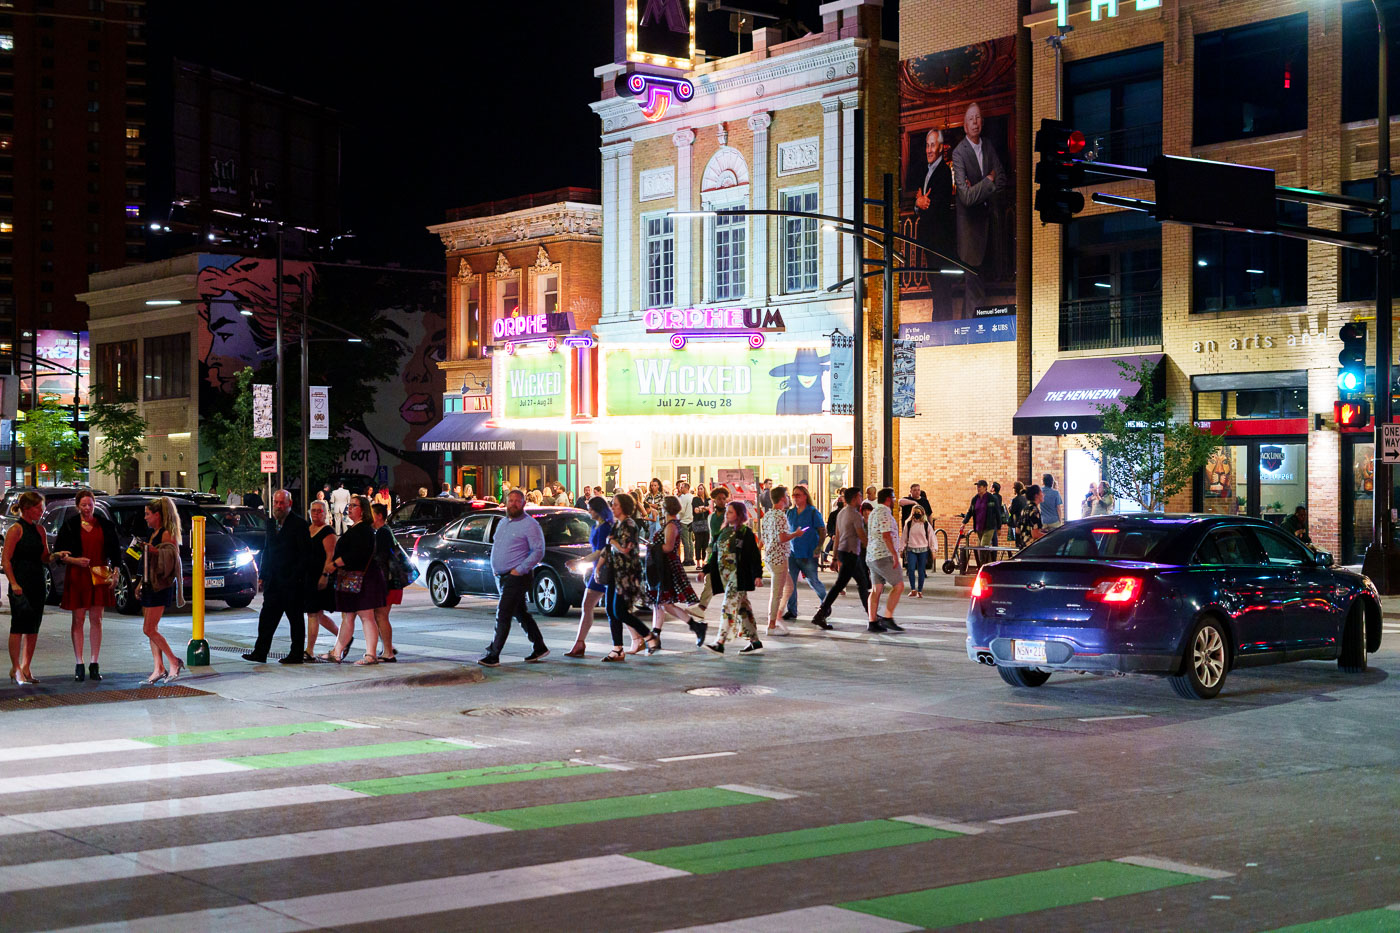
point(839, 782)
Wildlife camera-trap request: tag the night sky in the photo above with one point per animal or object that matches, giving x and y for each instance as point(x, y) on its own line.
point(446, 103)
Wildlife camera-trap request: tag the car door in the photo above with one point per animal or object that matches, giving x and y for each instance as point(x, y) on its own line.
point(471, 549)
point(1247, 590)
point(1310, 615)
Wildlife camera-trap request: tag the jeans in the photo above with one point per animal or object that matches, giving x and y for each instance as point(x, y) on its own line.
point(687, 544)
point(620, 612)
point(514, 592)
point(807, 566)
point(916, 561)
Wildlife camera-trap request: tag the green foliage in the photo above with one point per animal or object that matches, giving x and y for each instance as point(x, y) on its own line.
point(49, 438)
point(123, 433)
point(234, 450)
point(1145, 454)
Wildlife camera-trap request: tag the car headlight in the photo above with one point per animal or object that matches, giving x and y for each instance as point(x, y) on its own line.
point(580, 567)
point(243, 559)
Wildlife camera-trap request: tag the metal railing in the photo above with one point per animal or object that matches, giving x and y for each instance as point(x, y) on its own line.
point(1131, 145)
point(1115, 321)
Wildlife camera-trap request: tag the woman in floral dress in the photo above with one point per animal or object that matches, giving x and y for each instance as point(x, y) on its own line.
point(653, 503)
point(673, 588)
point(625, 585)
point(736, 567)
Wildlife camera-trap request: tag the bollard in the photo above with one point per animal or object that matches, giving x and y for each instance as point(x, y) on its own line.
point(197, 654)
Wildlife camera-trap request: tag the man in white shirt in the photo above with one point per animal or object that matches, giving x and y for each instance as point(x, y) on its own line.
point(882, 557)
point(233, 498)
point(686, 517)
point(340, 501)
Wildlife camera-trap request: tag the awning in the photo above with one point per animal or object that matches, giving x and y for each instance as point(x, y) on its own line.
point(469, 432)
point(1066, 400)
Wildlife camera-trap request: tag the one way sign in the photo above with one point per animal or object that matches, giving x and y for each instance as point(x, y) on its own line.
point(1390, 443)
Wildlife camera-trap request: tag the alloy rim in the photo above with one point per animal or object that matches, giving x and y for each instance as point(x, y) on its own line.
point(439, 586)
point(1209, 656)
point(546, 594)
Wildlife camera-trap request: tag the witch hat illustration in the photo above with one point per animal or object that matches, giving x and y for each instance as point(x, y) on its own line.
point(803, 393)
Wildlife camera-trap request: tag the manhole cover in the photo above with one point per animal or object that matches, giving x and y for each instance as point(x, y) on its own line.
point(520, 711)
point(88, 697)
point(730, 690)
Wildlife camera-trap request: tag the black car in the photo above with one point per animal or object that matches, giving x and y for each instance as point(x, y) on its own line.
point(230, 571)
point(52, 496)
point(176, 492)
point(419, 517)
point(1189, 597)
point(456, 561)
point(246, 524)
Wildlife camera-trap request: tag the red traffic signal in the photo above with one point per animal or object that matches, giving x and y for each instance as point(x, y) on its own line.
point(1352, 414)
point(1058, 172)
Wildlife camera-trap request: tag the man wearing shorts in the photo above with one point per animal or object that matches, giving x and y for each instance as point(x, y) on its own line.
point(882, 557)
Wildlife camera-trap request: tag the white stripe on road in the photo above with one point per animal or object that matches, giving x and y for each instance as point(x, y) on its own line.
point(769, 792)
point(34, 875)
point(245, 918)
point(696, 757)
point(95, 747)
point(826, 919)
point(1147, 861)
point(170, 808)
point(952, 826)
point(1005, 820)
point(1107, 718)
point(101, 776)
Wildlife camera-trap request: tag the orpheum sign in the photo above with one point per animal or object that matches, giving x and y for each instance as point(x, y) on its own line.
point(524, 326)
point(701, 323)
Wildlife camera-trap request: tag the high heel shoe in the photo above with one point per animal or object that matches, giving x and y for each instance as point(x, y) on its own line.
point(653, 642)
point(179, 669)
point(93, 673)
point(79, 674)
point(614, 655)
point(153, 679)
point(576, 651)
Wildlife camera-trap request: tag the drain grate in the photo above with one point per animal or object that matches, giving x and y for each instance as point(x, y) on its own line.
point(89, 697)
point(517, 711)
point(730, 690)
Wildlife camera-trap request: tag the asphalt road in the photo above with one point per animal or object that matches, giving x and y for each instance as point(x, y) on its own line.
point(838, 782)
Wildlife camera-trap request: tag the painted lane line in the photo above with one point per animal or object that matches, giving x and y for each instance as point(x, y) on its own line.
point(757, 791)
point(1147, 861)
point(343, 753)
point(952, 826)
point(244, 918)
point(697, 757)
point(826, 919)
point(1007, 820)
point(1107, 718)
point(606, 765)
point(463, 892)
point(146, 743)
point(127, 775)
point(96, 747)
point(472, 777)
point(35, 875)
point(171, 808)
point(607, 809)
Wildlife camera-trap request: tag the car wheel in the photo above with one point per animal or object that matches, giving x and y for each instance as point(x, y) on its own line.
point(1352, 660)
point(1022, 676)
point(1206, 662)
point(440, 587)
point(125, 594)
point(549, 596)
point(242, 602)
point(50, 597)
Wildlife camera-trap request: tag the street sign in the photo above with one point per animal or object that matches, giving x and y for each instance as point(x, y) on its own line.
point(1390, 443)
point(819, 448)
point(269, 461)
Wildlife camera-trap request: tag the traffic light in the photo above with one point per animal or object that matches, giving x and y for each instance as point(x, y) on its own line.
point(1352, 359)
point(1352, 414)
point(1058, 172)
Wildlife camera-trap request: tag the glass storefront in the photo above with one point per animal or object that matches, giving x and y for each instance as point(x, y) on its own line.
point(1261, 477)
point(1359, 488)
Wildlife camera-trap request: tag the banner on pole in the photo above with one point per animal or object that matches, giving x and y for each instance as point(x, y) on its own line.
point(843, 382)
point(320, 413)
point(903, 379)
point(262, 410)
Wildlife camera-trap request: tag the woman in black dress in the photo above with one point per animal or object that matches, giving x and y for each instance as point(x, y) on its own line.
point(25, 555)
point(160, 584)
point(320, 591)
point(354, 552)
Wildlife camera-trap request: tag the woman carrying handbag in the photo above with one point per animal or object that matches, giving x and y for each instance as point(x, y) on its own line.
point(360, 588)
point(87, 544)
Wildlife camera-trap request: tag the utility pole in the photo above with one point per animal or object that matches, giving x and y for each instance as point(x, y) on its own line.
point(305, 404)
point(281, 433)
point(887, 332)
point(1379, 562)
point(858, 296)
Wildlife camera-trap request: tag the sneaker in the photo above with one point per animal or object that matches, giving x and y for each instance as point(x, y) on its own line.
point(717, 647)
point(876, 627)
point(755, 647)
point(537, 655)
point(891, 624)
point(789, 616)
point(778, 628)
point(489, 660)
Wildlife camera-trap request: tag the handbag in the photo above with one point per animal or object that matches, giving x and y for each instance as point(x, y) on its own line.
point(402, 573)
point(352, 581)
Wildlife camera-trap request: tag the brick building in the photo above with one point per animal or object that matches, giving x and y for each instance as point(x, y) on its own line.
point(1245, 326)
point(524, 286)
point(682, 396)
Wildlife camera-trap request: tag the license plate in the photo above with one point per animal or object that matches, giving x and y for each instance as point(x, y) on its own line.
point(213, 583)
point(1028, 651)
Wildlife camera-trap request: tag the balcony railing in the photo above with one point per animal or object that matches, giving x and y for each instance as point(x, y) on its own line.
point(1115, 321)
point(1132, 145)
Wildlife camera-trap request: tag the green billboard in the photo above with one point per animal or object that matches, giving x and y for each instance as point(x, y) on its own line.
point(534, 385)
point(717, 380)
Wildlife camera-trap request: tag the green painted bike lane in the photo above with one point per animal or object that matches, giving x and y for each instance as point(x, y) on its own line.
point(1381, 920)
point(253, 732)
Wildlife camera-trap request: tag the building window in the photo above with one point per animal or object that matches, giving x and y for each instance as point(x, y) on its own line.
point(800, 242)
point(1112, 282)
point(1358, 279)
point(1252, 80)
point(1359, 63)
point(1266, 402)
point(1116, 101)
point(469, 324)
point(7, 42)
point(1250, 270)
point(507, 300)
point(116, 371)
point(546, 294)
point(660, 235)
point(166, 369)
point(729, 255)
point(133, 132)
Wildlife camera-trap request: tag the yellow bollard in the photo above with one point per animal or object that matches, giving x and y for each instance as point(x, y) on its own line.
point(197, 654)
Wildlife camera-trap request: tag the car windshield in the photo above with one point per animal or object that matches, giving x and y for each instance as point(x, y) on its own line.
point(566, 529)
point(1090, 541)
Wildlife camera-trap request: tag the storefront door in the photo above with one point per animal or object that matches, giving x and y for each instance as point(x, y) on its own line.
point(1260, 477)
point(1358, 496)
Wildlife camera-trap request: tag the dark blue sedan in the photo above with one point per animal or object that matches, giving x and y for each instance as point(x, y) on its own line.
point(1189, 597)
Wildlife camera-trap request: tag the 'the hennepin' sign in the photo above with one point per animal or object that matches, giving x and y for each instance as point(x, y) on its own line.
point(1098, 9)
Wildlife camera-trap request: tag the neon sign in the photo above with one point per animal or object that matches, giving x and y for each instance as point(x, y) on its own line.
point(654, 93)
point(708, 323)
point(1099, 8)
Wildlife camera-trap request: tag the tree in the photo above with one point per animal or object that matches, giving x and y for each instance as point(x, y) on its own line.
point(123, 434)
point(1145, 454)
point(50, 439)
point(235, 454)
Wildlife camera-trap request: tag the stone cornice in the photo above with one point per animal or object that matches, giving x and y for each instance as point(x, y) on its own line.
point(567, 218)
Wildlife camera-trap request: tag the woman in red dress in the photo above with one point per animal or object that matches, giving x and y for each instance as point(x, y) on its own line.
point(87, 544)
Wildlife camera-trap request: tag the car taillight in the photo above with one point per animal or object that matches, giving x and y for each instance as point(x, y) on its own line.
point(1123, 591)
point(981, 586)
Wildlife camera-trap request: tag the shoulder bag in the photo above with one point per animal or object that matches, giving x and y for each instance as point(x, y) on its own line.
point(351, 581)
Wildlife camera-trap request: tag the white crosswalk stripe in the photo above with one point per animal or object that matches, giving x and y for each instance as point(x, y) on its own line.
point(101, 776)
point(825, 919)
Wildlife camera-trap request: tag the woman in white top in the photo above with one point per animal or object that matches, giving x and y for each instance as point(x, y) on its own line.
point(918, 539)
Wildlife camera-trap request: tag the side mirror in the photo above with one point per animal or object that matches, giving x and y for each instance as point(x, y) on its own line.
point(1323, 559)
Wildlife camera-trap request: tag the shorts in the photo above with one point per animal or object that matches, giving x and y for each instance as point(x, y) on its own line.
point(152, 598)
point(884, 571)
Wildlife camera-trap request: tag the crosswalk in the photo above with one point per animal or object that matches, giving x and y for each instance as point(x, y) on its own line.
point(450, 838)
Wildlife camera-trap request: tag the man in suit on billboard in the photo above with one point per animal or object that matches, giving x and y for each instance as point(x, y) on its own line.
point(978, 175)
point(933, 206)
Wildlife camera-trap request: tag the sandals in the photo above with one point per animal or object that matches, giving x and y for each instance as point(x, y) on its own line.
point(575, 652)
point(366, 661)
point(153, 679)
point(637, 647)
point(388, 659)
point(332, 656)
point(614, 655)
point(653, 643)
